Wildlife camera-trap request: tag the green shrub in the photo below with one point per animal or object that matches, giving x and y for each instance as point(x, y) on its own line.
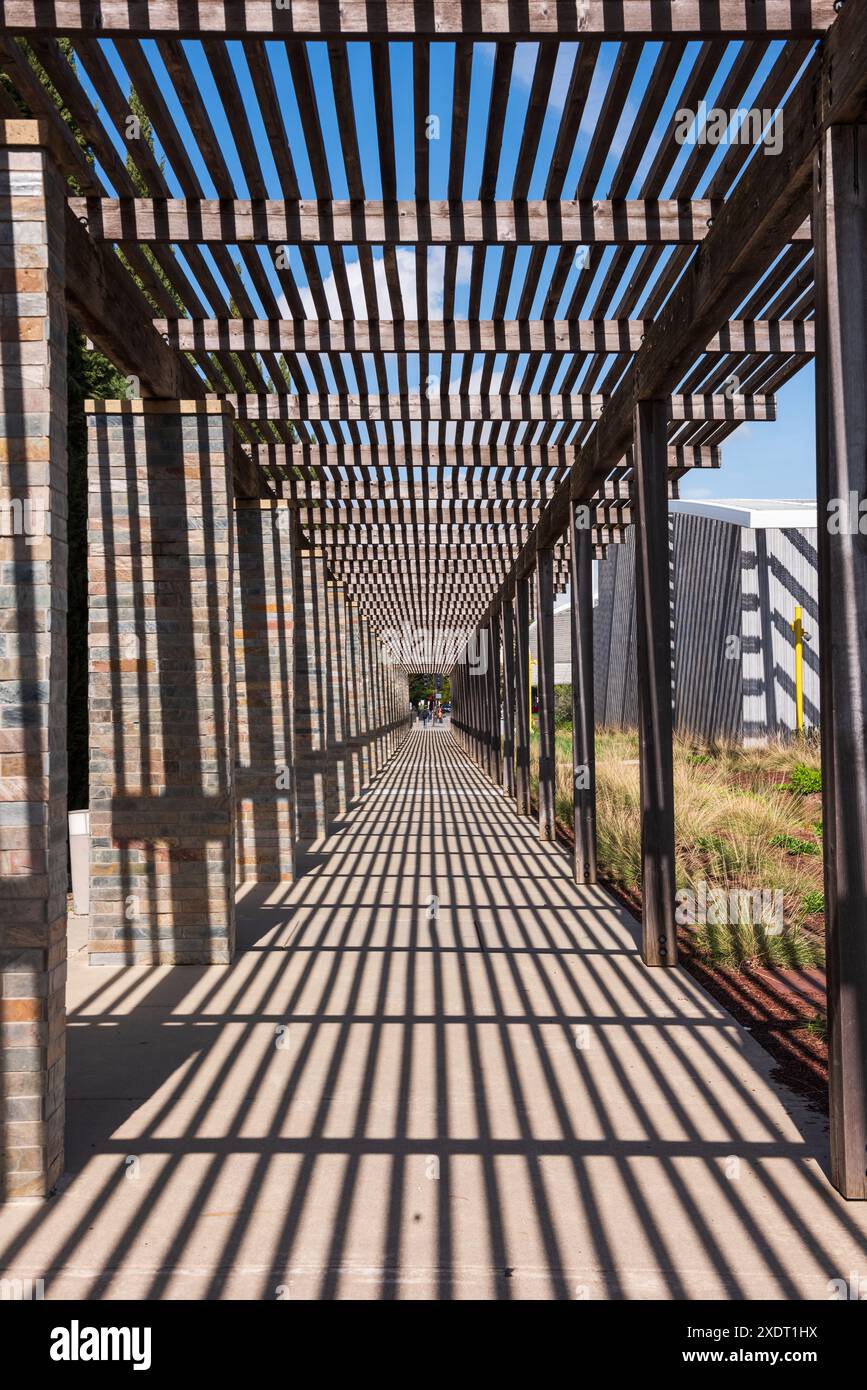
point(792, 845)
point(745, 943)
point(818, 1026)
point(813, 902)
point(805, 780)
point(562, 706)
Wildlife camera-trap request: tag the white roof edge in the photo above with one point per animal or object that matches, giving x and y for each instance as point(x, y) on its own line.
point(758, 513)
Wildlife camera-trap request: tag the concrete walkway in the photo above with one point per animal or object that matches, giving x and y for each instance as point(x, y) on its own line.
point(436, 1069)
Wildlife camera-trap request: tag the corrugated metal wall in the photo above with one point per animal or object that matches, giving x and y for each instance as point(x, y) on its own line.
point(706, 628)
point(614, 689)
point(779, 569)
point(734, 593)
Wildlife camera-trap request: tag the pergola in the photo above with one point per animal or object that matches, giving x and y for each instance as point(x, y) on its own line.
point(460, 364)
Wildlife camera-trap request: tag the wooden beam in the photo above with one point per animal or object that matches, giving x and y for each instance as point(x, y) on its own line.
point(413, 405)
point(440, 549)
point(318, 222)
point(107, 304)
point(653, 680)
point(422, 511)
point(488, 535)
point(336, 491)
point(464, 335)
point(428, 571)
point(482, 22)
point(785, 336)
point(583, 722)
point(522, 696)
point(426, 455)
point(446, 549)
point(467, 514)
point(344, 494)
point(841, 489)
point(509, 697)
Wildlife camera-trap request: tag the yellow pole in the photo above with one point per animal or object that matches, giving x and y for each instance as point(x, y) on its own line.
point(798, 629)
point(530, 692)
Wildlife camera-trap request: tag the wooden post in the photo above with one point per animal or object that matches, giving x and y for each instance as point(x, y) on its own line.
point(468, 711)
point(509, 697)
point(477, 709)
point(484, 684)
point(653, 619)
point(457, 705)
point(522, 696)
point(545, 652)
point(583, 721)
point(496, 759)
point(840, 260)
point(479, 680)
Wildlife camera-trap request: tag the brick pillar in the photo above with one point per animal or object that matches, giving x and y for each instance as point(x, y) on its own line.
point(33, 494)
point(315, 771)
point(264, 678)
point(162, 735)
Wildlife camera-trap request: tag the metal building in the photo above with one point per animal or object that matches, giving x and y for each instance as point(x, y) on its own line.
point(740, 571)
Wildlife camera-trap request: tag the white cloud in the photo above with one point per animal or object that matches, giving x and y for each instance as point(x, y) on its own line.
point(524, 70)
point(405, 258)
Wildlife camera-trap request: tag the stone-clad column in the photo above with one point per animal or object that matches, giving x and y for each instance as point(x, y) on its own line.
point(162, 735)
point(315, 767)
point(264, 679)
point(33, 510)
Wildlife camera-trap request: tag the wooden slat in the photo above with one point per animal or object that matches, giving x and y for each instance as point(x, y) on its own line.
point(481, 22)
point(475, 408)
point(579, 222)
point(444, 456)
point(461, 335)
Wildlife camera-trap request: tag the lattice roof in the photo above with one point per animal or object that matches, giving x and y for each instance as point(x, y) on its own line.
point(422, 248)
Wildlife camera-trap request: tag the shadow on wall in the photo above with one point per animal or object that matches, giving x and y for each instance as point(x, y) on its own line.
point(733, 596)
point(161, 685)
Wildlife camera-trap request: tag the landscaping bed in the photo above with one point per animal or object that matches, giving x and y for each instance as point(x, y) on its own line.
point(746, 819)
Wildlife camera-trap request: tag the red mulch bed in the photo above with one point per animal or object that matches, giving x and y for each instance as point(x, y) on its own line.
point(774, 1004)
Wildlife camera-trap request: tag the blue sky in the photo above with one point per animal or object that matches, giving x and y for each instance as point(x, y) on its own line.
point(774, 460)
